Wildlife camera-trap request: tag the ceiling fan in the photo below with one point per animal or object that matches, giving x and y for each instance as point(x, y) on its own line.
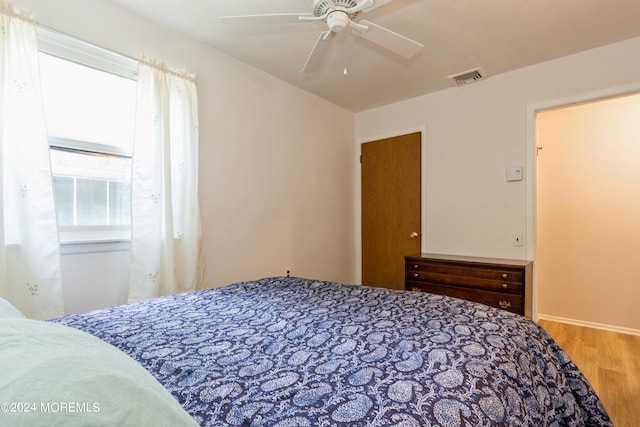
point(338, 15)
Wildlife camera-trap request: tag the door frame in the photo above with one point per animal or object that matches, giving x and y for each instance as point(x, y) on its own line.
point(531, 165)
point(358, 192)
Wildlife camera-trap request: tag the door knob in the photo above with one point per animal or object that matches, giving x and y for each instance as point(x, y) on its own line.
point(413, 235)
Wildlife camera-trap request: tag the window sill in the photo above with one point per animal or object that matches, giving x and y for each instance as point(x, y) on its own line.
point(94, 246)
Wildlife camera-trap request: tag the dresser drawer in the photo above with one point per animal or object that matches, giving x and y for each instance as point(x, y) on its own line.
point(499, 283)
point(479, 281)
point(491, 273)
point(509, 302)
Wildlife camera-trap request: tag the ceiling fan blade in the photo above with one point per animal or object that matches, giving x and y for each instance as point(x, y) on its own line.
point(318, 53)
point(271, 18)
point(367, 5)
point(388, 39)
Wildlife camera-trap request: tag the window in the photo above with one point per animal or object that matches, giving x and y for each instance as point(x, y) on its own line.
point(92, 189)
point(90, 111)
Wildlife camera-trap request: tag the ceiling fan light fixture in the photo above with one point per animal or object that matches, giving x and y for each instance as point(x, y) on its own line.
point(337, 21)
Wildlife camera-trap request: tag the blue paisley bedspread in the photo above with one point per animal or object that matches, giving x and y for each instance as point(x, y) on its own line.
point(295, 352)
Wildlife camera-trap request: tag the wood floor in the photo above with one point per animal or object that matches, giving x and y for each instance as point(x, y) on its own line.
point(611, 363)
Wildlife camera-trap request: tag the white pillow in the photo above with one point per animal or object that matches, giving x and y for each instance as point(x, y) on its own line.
point(8, 310)
point(54, 375)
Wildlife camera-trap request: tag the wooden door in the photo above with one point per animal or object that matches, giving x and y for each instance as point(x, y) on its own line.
point(390, 171)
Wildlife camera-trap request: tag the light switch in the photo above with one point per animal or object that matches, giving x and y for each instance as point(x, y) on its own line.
point(514, 173)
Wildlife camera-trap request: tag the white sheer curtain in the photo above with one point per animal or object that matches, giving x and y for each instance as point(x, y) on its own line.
point(30, 276)
point(166, 252)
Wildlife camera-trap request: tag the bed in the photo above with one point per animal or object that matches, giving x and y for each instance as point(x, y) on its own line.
point(294, 352)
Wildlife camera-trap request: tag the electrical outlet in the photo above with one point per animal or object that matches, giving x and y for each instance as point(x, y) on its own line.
point(517, 239)
point(514, 173)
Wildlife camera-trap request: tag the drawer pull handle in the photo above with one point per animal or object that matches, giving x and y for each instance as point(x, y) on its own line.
point(504, 304)
point(416, 289)
point(415, 266)
point(504, 275)
point(416, 275)
point(505, 286)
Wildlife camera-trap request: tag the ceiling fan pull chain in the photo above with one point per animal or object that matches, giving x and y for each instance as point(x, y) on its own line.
point(345, 61)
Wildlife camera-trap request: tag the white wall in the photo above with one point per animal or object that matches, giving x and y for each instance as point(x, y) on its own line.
point(94, 280)
point(474, 132)
point(276, 183)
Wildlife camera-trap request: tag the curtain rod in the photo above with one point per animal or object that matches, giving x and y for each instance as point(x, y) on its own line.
point(10, 10)
point(164, 68)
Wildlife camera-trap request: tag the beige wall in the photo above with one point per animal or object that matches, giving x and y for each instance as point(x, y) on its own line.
point(588, 232)
point(474, 132)
point(277, 186)
point(276, 163)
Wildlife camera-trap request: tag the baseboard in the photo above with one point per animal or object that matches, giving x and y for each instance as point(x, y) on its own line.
point(611, 328)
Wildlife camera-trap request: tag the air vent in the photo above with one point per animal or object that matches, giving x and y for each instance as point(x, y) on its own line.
point(469, 76)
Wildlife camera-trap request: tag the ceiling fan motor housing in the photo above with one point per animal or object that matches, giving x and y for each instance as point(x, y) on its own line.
point(322, 7)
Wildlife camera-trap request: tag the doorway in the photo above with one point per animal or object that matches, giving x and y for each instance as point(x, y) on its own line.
point(391, 199)
point(587, 181)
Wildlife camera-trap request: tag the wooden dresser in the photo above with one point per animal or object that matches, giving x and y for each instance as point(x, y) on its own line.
point(500, 283)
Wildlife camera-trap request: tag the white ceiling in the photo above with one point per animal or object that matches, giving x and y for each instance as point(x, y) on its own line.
point(458, 35)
